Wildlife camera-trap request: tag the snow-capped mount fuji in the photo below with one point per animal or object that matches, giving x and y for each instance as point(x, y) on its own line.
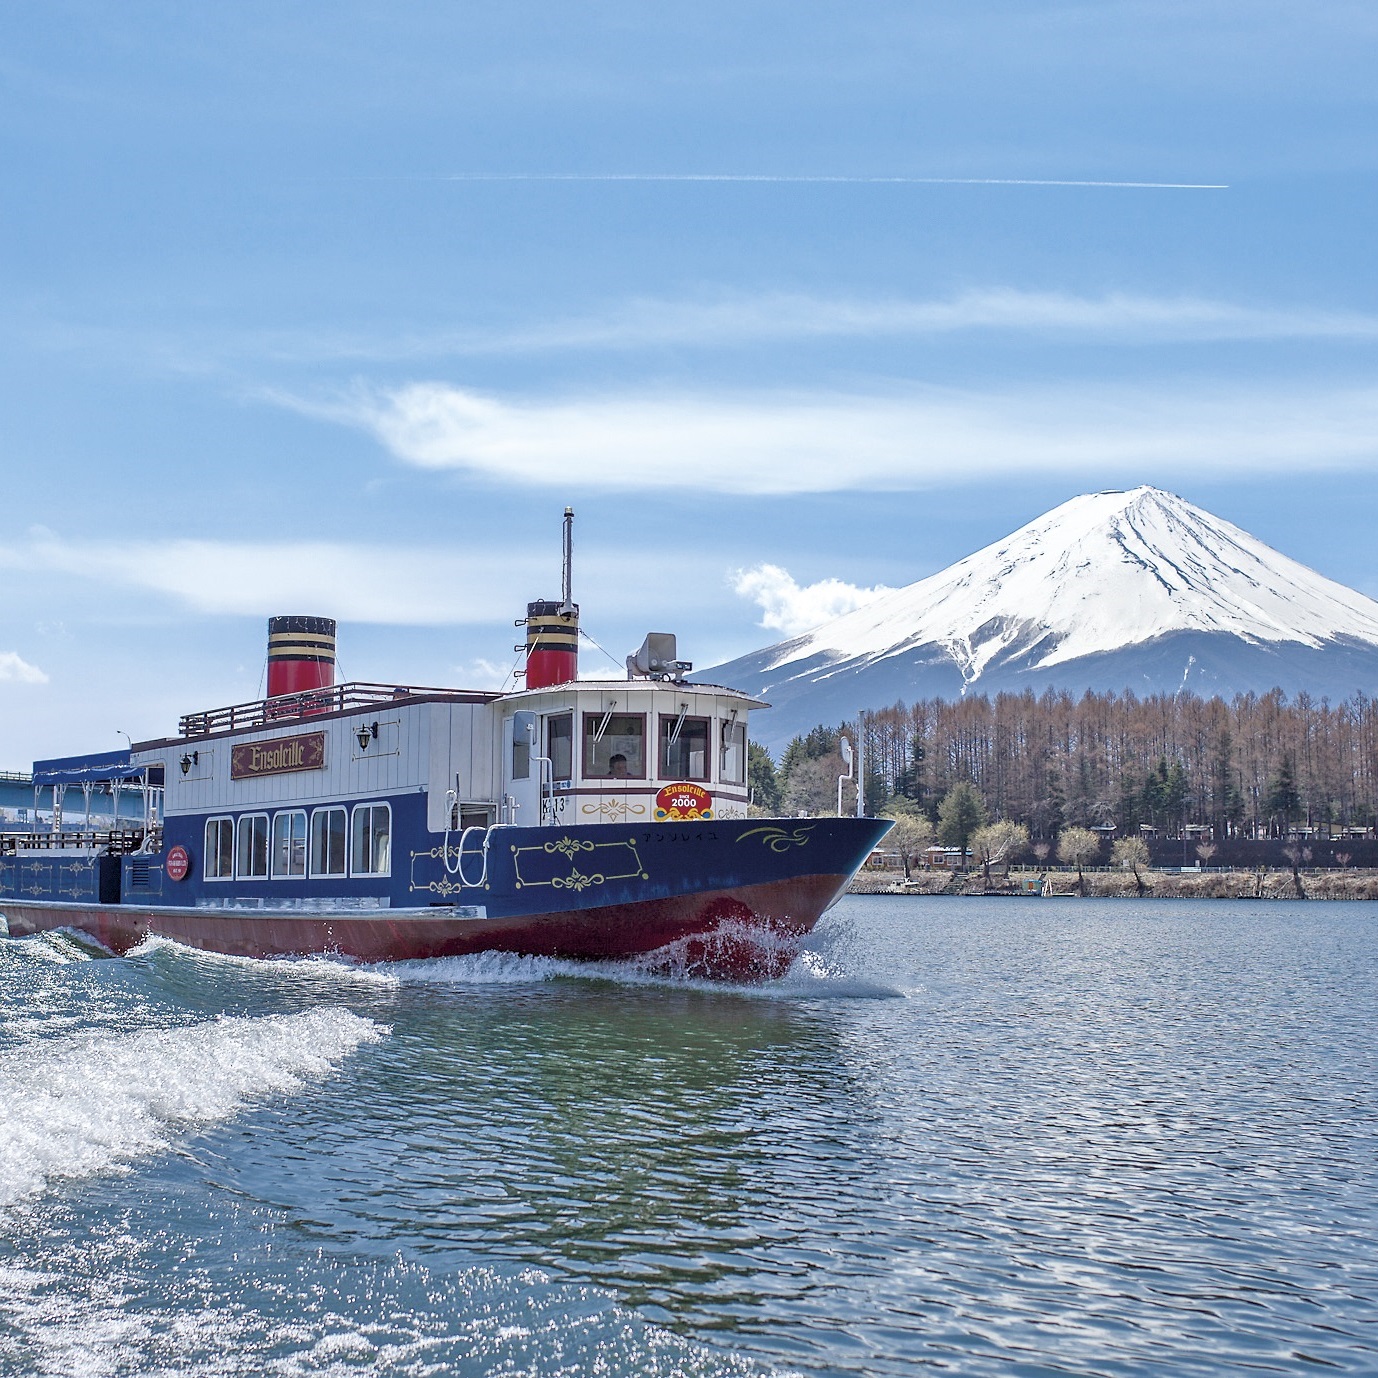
point(1132, 590)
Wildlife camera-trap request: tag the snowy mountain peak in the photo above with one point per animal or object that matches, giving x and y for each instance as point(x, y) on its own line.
point(1099, 573)
point(1136, 590)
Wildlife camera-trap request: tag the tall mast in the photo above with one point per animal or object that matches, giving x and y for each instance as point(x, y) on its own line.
point(567, 586)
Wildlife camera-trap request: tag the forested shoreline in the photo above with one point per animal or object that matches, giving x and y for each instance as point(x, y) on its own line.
point(1257, 766)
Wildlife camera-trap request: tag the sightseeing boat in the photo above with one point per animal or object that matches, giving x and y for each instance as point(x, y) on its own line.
point(572, 818)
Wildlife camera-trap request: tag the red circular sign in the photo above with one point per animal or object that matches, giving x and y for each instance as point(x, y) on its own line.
point(178, 863)
point(683, 803)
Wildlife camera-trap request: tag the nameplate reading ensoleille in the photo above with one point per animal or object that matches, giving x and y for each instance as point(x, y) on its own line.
point(278, 756)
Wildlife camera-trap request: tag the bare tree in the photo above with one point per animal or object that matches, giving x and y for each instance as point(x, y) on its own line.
point(1204, 853)
point(999, 842)
point(1078, 847)
point(1057, 760)
point(911, 835)
point(1294, 858)
point(1131, 853)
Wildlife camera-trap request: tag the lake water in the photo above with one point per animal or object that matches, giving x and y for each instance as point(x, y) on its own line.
point(972, 1136)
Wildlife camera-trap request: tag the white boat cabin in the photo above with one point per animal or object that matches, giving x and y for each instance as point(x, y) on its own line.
point(625, 751)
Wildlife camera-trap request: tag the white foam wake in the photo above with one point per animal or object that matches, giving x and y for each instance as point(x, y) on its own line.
point(810, 977)
point(78, 1106)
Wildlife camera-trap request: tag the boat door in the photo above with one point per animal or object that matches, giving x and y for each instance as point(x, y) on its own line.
point(521, 769)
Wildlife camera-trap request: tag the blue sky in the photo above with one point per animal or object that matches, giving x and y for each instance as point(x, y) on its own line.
point(332, 310)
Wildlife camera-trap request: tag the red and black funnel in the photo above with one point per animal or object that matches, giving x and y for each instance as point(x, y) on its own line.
point(301, 654)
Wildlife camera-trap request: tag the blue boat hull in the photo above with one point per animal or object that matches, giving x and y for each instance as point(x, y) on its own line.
point(725, 899)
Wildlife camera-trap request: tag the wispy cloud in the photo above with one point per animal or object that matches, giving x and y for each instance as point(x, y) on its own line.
point(14, 669)
point(361, 583)
point(793, 608)
point(720, 321)
point(811, 179)
point(735, 320)
point(791, 443)
point(402, 585)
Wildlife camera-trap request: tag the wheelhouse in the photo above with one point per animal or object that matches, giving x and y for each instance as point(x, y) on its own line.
point(626, 751)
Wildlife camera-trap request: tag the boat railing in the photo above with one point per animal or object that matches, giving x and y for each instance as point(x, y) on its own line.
point(307, 703)
point(110, 841)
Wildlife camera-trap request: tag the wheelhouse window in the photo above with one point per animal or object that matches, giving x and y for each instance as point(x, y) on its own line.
point(219, 858)
point(614, 746)
point(289, 844)
point(328, 842)
point(683, 748)
point(732, 770)
point(559, 746)
point(371, 840)
point(251, 851)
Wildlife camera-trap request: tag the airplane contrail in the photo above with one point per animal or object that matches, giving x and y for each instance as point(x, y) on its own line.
point(818, 178)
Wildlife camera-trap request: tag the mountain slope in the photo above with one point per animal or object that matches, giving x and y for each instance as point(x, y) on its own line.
point(1136, 590)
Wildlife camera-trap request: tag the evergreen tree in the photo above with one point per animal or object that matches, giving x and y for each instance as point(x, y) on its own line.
point(1052, 809)
point(762, 782)
point(821, 741)
point(1282, 802)
point(795, 754)
point(1153, 797)
point(1176, 791)
point(1227, 803)
point(1082, 797)
point(959, 816)
point(1129, 810)
point(909, 782)
point(878, 795)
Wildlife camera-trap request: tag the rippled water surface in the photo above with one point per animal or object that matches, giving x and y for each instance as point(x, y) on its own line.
point(974, 1136)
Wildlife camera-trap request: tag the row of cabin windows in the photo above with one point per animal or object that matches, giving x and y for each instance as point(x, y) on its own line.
point(615, 748)
point(336, 844)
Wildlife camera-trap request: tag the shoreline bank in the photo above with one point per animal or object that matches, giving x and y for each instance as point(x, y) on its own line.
point(1237, 884)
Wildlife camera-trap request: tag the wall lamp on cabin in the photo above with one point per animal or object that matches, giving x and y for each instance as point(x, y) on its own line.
point(368, 732)
point(189, 759)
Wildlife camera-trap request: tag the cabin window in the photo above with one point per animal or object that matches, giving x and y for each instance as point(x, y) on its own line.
point(614, 746)
point(683, 748)
point(521, 753)
point(251, 853)
point(371, 840)
point(328, 842)
point(219, 859)
point(289, 844)
point(733, 768)
point(559, 746)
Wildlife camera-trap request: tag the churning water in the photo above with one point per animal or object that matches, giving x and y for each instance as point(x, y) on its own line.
point(972, 1136)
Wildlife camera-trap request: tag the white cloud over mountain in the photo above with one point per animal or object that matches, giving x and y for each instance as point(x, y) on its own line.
point(789, 607)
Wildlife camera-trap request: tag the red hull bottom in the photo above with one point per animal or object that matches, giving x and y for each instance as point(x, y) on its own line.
point(748, 933)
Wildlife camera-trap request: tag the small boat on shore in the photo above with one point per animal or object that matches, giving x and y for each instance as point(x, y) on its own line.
point(576, 818)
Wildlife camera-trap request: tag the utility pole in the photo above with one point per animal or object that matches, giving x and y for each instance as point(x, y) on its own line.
point(861, 763)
